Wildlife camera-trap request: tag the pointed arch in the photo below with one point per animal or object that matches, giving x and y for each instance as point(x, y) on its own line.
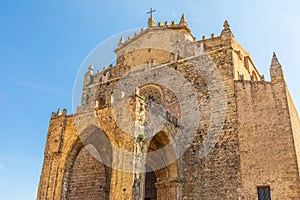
point(84, 166)
point(167, 178)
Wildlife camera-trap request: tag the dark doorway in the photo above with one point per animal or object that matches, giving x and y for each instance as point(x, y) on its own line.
point(150, 180)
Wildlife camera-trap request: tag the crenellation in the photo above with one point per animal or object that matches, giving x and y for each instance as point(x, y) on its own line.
point(91, 69)
point(59, 112)
point(258, 143)
point(53, 114)
point(122, 40)
point(160, 25)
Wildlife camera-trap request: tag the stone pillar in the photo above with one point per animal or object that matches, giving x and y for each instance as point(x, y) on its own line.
point(139, 159)
point(169, 190)
point(130, 184)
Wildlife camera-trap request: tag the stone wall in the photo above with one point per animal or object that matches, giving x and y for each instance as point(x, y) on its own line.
point(253, 130)
point(267, 151)
point(87, 179)
point(217, 175)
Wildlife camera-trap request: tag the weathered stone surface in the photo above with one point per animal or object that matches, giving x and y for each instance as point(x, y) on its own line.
point(259, 137)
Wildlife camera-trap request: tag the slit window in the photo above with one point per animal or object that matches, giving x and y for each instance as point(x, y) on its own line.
point(264, 193)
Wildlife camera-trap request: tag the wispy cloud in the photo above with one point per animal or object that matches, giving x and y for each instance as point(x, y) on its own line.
point(41, 88)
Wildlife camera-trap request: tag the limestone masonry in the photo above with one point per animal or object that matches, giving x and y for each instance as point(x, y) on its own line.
point(246, 143)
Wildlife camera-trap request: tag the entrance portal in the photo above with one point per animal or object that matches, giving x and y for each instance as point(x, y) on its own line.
point(150, 180)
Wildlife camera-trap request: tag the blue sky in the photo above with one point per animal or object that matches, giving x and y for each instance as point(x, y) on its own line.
point(43, 43)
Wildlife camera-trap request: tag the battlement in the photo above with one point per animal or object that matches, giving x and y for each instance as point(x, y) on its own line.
point(139, 50)
point(182, 26)
point(59, 113)
point(247, 127)
point(226, 37)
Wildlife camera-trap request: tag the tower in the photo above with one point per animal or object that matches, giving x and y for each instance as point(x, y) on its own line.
point(233, 134)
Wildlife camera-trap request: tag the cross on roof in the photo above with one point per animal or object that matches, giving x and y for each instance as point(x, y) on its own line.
point(151, 11)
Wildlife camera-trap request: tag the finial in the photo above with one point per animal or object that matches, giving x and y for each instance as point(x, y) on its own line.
point(226, 34)
point(182, 20)
point(275, 61)
point(276, 71)
point(122, 40)
point(91, 69)
point(226, 25)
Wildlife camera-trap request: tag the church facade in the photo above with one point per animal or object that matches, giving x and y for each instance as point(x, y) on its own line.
point(176, 118)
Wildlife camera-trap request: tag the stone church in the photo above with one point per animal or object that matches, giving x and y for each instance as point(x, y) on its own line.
point(176, 118)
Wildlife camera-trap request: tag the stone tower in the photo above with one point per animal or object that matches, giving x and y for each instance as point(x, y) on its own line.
point(224, 132)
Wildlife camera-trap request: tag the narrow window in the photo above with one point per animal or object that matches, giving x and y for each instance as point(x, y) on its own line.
point(264, 193)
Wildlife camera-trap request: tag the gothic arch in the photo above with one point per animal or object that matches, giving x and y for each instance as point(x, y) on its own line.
point(167, 184)
point(84, 170)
